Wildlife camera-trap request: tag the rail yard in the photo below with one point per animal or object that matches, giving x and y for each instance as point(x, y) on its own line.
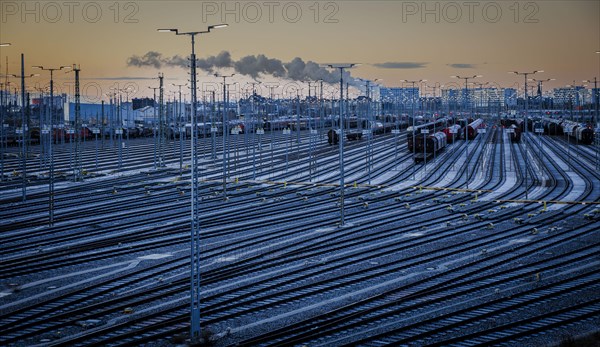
point(452, 236)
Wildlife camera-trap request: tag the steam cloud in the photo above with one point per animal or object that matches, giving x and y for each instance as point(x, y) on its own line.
point(254, 66)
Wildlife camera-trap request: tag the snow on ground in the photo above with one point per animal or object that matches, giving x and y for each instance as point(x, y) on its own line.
point(510, 179)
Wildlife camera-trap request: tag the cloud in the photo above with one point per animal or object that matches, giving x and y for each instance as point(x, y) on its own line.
point(254, 66)
point(221, 60)
point(463, 66)
point(401, 65)
point(152, 58)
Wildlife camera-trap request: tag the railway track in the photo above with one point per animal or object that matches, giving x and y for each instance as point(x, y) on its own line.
point(274, 263)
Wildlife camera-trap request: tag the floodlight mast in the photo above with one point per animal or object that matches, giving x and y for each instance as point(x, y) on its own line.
point(195, 224)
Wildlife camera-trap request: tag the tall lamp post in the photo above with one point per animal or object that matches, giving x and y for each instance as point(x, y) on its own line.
point(480, 86)
point(597, 125)
point(24, 126)
point(127, 91)
point(270, 107)
point(540, 94)
point(596, 120)
point(225, 131)
point(195, 264)
point(413, 118)
point(77, 169)
point(465, 97)
point(180, 126)
point(51, 126)
point(341, 67)
point(255, 121)
point(434, 109)
point(119, 115)
point(2, 44)
point(3, 95)
point(540, 87)
point(154, 123)
point(369, 152)
point(525, 74)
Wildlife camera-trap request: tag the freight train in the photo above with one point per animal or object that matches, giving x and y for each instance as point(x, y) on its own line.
point(416, 132)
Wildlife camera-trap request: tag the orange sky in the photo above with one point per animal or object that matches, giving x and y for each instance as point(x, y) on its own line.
point(487, 38)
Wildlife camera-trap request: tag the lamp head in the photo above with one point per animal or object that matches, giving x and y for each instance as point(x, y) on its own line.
point(217, 26)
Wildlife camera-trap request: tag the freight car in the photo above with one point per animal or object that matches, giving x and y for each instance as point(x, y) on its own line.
point(515, 133)
point(436, 124)
point(570, 128)
point(333, 136)
point(414, 143)
point(433, 144)
point(453, 132)
point(353, 130)
point(416, 131)
point(391, 122)
point(34, 135)
point(585, 135)
point(552, 126)
point(472, 128)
